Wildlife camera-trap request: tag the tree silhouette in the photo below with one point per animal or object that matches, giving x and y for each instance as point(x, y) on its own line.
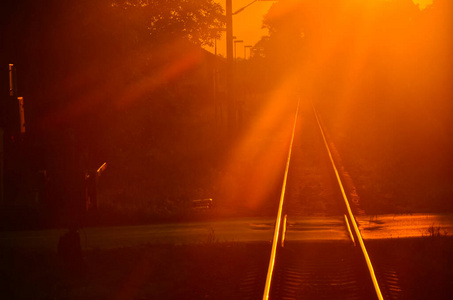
point(104, 80)
point(199, 21)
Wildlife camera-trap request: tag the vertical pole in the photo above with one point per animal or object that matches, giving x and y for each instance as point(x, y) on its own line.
point(20, 101)
point(229, 67)
point(12, 81)
point(214, 92)
point(235, 44)
point(2, 187)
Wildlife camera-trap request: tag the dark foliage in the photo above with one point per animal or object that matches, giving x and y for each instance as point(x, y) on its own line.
point(100, 85)
point(198, 21)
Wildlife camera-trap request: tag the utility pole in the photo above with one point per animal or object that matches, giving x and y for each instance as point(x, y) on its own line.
point(250, 52)
point(229, 68)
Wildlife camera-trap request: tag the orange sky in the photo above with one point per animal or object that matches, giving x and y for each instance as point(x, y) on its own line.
point(247, 24)
point(423, 3)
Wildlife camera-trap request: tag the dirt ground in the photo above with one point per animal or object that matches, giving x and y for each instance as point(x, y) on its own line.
point(408, 269)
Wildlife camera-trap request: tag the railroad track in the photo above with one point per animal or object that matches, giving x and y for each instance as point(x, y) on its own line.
point(316, 270)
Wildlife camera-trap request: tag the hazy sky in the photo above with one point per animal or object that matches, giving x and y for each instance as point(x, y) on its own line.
point(247, 24)
point(423, 3)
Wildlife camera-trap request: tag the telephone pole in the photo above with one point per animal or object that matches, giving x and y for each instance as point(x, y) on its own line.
point(231, 120)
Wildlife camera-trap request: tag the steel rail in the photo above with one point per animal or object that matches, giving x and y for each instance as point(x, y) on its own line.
point(270, 270)
point(349, 229)
point(351, 215)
